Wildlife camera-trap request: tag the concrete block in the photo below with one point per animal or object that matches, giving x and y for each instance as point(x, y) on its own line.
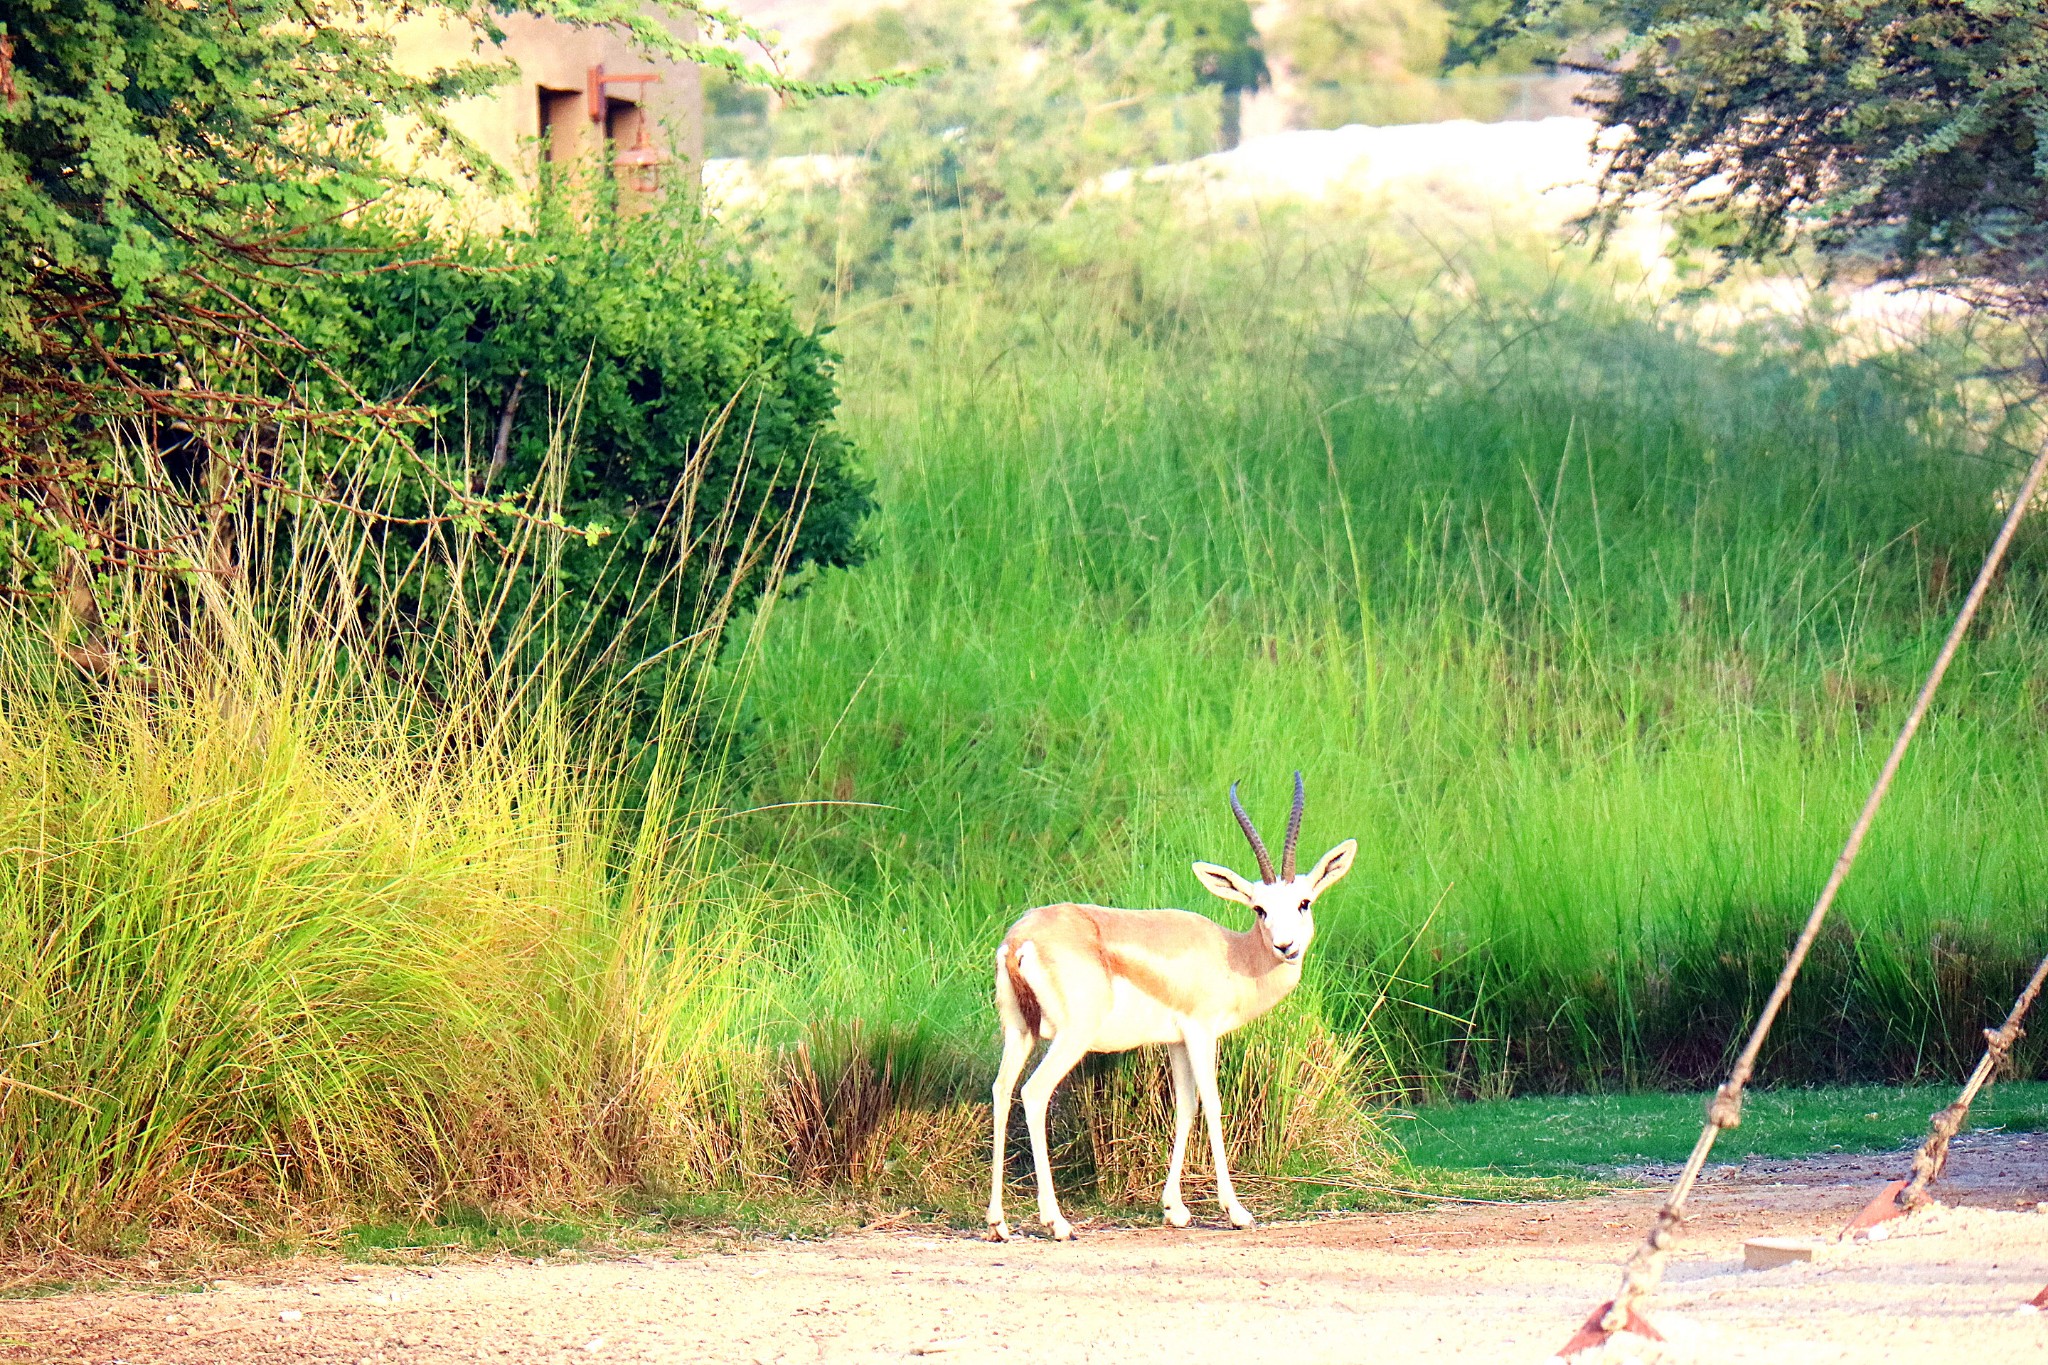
point(1767, 1253)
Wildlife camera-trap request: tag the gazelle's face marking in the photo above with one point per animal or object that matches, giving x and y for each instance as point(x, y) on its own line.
point(1285, 909)
point(1287, 912)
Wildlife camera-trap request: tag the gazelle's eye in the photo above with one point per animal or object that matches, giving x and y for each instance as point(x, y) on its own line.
point(1259, 910)
point(1304, 907)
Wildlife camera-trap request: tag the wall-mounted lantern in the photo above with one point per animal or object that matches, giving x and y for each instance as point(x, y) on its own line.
point(600, 78)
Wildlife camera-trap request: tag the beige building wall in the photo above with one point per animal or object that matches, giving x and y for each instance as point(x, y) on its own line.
point(578, 91)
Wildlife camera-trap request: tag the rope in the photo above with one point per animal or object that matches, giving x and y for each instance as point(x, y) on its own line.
point(1933, 1153)
point(1646, 1266)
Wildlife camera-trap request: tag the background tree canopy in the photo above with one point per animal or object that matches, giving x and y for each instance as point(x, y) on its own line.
point(1218, 36)
point(1387, 61)
point(222, 293)
point(153, 153)
point(1908, 134)
point(977, 158)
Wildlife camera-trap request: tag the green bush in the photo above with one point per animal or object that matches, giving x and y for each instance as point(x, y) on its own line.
point(622, 373)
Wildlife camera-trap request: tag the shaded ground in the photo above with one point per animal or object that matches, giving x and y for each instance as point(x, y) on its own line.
point(1502, 1283)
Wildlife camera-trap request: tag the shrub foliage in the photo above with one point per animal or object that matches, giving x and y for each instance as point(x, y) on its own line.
point(628, 374)
point(1912, 133)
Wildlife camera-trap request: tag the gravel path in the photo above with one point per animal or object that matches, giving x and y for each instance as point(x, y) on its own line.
point(1496, 1283)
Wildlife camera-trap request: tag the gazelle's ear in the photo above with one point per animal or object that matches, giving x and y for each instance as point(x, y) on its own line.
point(1221, 881)
point(1333, 866)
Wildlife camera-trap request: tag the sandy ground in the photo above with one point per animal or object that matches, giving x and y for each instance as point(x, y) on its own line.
point(1494, 1283)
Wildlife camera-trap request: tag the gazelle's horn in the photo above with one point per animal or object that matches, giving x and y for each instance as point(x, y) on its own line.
point(1258, 844)
point(1293, 832)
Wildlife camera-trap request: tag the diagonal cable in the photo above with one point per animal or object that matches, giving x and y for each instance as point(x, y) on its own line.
point(1933, 1153)
point(1646, 1267)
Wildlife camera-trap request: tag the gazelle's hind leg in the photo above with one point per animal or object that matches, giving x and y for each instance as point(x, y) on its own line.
point(1183, 1120)
point(1060, 1058)
point(1017, 1045)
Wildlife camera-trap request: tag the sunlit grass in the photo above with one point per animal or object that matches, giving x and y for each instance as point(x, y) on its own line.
point(293, 932)
point(1592, 634)
point(271, 945)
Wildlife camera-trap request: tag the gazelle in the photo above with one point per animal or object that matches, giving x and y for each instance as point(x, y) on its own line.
point(1091, 979)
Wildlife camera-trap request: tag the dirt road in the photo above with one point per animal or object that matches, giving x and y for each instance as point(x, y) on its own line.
point(1493, 1284)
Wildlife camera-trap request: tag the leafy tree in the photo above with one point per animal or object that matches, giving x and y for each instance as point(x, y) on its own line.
point(1364, 61)
point(163, 162)
point(220, 295)
point(1219, 36)
point(1909, 134)
point(1523, 35)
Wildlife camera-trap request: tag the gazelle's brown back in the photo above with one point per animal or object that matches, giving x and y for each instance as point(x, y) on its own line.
point(1162, 953)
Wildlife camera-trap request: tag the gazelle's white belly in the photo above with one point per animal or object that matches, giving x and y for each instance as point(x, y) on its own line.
point(1135, 1019)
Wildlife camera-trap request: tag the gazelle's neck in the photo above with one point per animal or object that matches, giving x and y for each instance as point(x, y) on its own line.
point(1264, 979)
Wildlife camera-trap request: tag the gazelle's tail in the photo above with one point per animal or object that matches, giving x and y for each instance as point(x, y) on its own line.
point(1010, 974)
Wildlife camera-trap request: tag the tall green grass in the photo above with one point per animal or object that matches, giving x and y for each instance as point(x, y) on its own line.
point(1591, 631)
point(310, 912)
point(314, 913)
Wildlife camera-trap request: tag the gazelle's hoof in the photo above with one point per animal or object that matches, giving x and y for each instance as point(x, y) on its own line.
point(1177, 1215)
point(1240, 1216)
point(999, 1231)
point(1061, 1230)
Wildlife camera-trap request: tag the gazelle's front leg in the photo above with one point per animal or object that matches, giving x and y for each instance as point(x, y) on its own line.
point(1201, 1050)
point(1183, 1120)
